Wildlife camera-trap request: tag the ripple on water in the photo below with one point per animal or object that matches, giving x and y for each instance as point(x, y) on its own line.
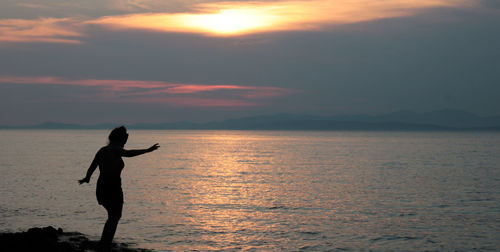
point(271, 191)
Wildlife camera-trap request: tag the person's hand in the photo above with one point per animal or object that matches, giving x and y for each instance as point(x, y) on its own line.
point(83, 180)
point(154, 147)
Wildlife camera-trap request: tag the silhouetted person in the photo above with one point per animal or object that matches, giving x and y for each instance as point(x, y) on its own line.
point(109, 191)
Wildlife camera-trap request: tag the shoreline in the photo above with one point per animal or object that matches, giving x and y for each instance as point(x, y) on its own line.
point(52, 239)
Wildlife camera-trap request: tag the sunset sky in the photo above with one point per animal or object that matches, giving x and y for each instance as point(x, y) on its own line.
point(119, 61)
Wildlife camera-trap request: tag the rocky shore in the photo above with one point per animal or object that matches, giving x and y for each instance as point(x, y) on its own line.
point(51, 239)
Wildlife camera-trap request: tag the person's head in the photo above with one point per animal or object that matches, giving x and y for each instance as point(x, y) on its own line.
point(118, 136)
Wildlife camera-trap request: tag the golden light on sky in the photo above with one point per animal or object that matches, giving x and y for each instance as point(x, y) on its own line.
point(236, 18)
point(49, 30)
point(231, 21)
point(222, 18)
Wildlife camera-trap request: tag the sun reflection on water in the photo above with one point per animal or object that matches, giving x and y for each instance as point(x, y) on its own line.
point(231, 190)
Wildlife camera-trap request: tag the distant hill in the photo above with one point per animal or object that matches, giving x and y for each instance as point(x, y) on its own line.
point(399, 120)
point(444, 118)
point(57, 125)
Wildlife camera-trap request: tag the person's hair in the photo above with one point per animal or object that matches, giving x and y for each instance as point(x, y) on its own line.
point(118, 135)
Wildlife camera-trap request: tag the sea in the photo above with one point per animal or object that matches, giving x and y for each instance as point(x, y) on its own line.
point(265, 190)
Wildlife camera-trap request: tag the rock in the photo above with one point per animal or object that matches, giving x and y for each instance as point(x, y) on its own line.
point(51, 239)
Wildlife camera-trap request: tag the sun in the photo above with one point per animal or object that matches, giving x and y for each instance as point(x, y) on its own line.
point(231, 21)
point(235, 18)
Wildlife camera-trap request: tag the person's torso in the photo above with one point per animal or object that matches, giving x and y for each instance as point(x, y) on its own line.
point(110, 165)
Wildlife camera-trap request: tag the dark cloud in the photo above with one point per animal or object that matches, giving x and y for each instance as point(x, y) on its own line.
point(491, 4)
point(446, 58)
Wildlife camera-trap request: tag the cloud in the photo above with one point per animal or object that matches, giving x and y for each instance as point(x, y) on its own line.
point(228, 18)
point(105, 84)
point(235, 18)
point(190, 95)
point(491, 4)
point(48, 30)
point(32, 5)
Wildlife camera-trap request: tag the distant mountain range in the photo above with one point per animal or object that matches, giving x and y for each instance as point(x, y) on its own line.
point(400, 120)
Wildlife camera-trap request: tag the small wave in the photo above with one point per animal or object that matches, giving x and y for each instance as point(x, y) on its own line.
point(476, 200)
point(407, 214)
point(310, 248)
point(443, 206)
point(310, 232)
point(176, 168)
point(276, 207)
point(393, 237)
point(322, 248)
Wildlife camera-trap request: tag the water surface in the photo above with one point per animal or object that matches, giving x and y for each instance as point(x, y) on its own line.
point(265, 190)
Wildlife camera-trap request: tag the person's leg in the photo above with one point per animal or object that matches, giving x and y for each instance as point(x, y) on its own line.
point(114, 215)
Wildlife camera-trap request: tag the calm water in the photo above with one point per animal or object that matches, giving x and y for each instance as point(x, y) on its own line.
point(265, 190)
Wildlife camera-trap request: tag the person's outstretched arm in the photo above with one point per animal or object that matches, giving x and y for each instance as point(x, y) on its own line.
point(91, 170)
point(133, 153)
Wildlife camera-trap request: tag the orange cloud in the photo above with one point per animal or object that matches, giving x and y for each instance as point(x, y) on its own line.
point(49, 30)
point(189, 88)
point(235, 18)
point(104, 84)
point(222, 18)
point(165, 92)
